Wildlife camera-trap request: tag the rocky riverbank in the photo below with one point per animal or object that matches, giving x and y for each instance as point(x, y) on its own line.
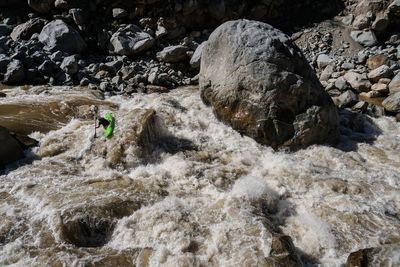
point(154, 46)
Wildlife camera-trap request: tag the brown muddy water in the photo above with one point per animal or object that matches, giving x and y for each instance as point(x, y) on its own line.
point(216, 199)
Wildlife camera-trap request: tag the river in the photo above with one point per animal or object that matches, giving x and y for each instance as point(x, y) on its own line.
point(211, 197)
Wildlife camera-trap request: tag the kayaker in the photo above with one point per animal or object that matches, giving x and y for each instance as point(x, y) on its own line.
point(108, 124)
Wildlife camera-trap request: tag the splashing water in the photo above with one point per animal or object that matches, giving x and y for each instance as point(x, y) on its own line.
point(216, 202)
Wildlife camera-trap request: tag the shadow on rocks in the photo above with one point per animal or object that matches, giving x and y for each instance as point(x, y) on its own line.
point(356, 128)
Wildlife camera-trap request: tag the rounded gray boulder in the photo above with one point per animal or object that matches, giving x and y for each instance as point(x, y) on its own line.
point(59, 36)
point(258, 81)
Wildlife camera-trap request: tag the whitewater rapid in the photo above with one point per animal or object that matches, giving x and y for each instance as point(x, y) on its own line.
point(216, 201)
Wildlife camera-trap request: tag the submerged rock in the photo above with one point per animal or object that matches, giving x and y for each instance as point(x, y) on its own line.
point(10, 149)
point(386, 255)
point(259, 82)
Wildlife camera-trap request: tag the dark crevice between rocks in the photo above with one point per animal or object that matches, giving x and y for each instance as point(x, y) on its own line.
point(94, 226)
point(88, 231)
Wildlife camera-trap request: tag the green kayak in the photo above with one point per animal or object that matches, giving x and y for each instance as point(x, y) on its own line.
point(108, 132)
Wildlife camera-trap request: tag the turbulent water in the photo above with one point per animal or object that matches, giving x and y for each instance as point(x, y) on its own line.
point(216, 199)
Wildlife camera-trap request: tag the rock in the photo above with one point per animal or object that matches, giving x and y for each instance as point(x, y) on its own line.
point(5, 30)
point(259, 82)
point(347, 66)
point(70, 64)
point(84, 82)
point(196, 58)
point(341, 84)
point(4, 61)
point(58, 36)
point(2, 95)
point(61, 4)
point(386, 255)
point(376, 61)
point(283, 252)
point(394, 9)
point(26, 30)
point(173, 54)
point(48, 68)
point(327, 73)
point(41, 6)
point(130, 40)
point(360, 106)
point(380, 24)
point(15, 73)
point(381, 88)
point(394, 85)
point(77, 15)
point(161, 31)
point(347, 99)
point(357, 81)
point(119, 13)
point(10, 148)
point(381, 72)
point(370, 94)
point(324, 60)
point(361, 22)
point(364, 38)
point(348, 20)
point(392, 103)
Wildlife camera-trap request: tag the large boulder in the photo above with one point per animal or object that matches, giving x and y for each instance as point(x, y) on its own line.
point(15, 73)
point(10, 149)
point(25, 30)
point(259, 82)
point(130, 40)
point(58, 36)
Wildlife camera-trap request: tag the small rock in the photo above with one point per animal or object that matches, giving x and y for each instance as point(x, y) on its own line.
point(381, 88)
point(324, 60)
point(358, 82)
point(376, 61)
point(70, 64)
point(365, 38)
point(361, 106)
point(173, 54)
point(348, 20)
point(61, 4)
point(48, 68)
point(84, 82)
point(347, 99)
point(119, 13)
point(392, 103)
point(161, 31)
point(394, 85)
point(327, 73)
point(130, 40)
point(341, 84)
point(381, 72)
